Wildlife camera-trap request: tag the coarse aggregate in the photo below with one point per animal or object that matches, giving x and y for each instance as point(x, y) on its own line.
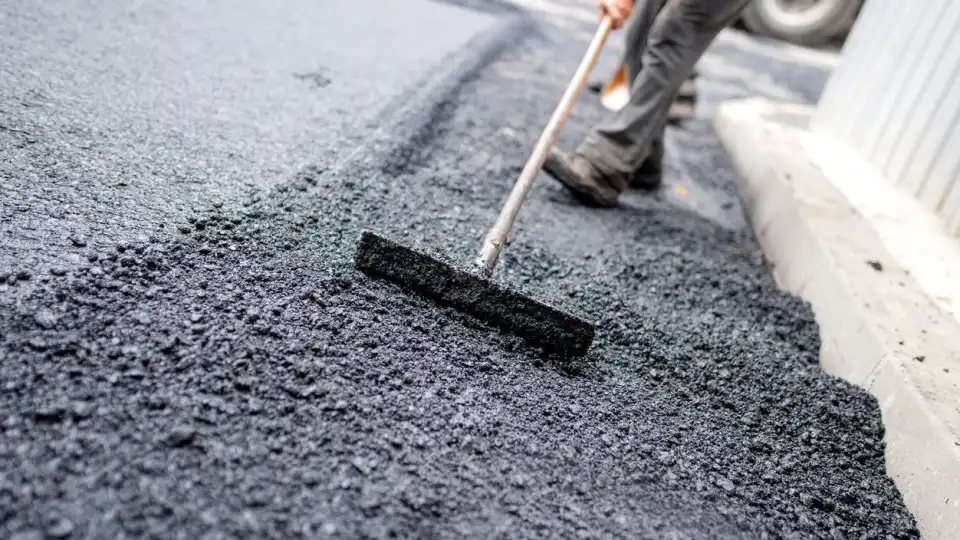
point(234, 376)
point(116, 117)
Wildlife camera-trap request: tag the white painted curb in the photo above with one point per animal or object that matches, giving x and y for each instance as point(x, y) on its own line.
point(887, 331)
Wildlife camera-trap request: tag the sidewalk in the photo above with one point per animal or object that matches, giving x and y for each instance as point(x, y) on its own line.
point(882, 277)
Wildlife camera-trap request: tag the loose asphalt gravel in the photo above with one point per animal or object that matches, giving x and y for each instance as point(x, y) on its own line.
point(116, 117)
point(233, 376)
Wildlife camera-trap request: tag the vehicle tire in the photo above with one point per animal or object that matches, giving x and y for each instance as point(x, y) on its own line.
point(805, 22)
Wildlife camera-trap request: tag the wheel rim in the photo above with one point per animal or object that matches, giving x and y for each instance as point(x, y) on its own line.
point(798, 12)
point(796, 6)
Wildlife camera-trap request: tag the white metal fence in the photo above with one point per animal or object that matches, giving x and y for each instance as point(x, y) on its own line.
point(895, 98)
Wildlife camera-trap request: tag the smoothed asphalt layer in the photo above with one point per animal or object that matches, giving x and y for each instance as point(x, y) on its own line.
point(117, 117)
point(235, 377)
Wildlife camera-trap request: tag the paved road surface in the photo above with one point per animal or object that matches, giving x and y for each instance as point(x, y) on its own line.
point(234, 377)
point(117, 117)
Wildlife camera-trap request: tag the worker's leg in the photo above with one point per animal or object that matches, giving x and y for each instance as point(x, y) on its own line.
point(637, 33)
point(650, 173)
point(680, 34)
point(615, 150)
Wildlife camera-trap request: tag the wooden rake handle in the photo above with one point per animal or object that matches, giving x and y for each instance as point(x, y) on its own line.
point(496, 239)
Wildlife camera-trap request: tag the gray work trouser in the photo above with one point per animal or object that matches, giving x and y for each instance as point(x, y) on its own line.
point(665, 38)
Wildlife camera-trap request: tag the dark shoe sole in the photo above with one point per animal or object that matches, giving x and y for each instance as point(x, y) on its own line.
point(647, 181)
point(558, 170)
point(649, 177)
point(687, 92)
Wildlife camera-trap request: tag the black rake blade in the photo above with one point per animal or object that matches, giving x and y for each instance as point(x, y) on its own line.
point(539, 324)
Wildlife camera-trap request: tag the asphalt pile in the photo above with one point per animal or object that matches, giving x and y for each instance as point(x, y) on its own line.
point(233, 376)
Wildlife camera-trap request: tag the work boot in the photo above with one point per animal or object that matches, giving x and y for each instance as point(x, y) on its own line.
point(688, 90)
point(650, 174)
point(681, 111)
point(585, 182)
point(685, 106)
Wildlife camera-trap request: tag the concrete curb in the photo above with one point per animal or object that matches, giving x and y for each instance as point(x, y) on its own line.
point(880, 328)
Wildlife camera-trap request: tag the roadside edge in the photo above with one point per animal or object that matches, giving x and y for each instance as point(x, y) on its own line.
point(879, 328)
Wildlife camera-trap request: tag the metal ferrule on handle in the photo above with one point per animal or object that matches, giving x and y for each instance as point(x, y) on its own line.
point(496, 238)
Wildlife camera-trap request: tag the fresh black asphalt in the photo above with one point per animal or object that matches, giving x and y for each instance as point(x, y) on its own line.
point(231, 374)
